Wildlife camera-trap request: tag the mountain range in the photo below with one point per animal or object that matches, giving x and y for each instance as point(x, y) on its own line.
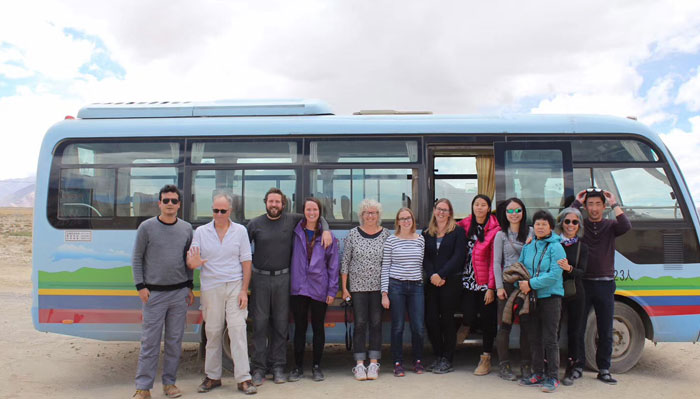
point(17, 192)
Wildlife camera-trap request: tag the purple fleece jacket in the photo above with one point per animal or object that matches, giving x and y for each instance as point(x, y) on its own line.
point(317, 279)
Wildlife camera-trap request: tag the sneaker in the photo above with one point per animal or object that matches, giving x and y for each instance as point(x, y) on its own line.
point(505, 372)
point(444, 367)
point(142, 394)
point(208, 384)
point(577, 373)
point(429, 368)
point(535, 380)
point(418, 367)
point(296, 374)
point(604, 375)
point(316, 373)
point(550, 384)
point(484, 366)
point(279, 376)
point(247, 387)
point(258, 377)
point(568, 379)
point(360, 372)
point(398, 370)
point(172, 391)
point(373, 371)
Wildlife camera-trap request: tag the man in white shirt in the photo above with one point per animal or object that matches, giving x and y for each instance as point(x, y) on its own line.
point(222, 249)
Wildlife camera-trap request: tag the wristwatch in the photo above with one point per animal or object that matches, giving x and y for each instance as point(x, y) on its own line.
point(614, 205)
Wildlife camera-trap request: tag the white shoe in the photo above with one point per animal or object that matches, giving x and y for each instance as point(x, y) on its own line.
point(360, 372)
point(373, 371)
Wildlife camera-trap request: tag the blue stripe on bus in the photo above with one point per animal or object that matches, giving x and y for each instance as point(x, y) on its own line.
point(669, 300)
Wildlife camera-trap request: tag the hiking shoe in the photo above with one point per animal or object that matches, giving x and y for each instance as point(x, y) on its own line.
point(208, 384)
point(316, 373)
point(296, 374)
point(535, 380)
point(279, 376)
point(247, 387)
point(172, 391)
point(484, 366)
point(360, 372)
point(550, 384)
point(142, 394)
point(398, 370)
point(444, 367)
point(373, 371)
point(604, 375)
point(505, 372)
point(258, 377)
point(418, 367)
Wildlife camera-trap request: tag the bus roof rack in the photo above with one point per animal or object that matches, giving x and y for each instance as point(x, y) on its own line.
point(390, 112)
point(184, 109)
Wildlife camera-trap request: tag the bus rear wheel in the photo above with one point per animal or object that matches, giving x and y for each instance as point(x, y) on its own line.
point(628, 339)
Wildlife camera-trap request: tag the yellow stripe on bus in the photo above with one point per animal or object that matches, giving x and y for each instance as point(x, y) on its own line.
point(59, 291)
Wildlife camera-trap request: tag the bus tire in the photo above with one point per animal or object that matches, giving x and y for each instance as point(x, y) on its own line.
point(628, 339)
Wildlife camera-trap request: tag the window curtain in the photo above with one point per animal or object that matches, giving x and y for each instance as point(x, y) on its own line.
point(485, 171)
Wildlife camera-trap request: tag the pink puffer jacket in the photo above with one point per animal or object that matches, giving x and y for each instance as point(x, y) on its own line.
point(482, 255)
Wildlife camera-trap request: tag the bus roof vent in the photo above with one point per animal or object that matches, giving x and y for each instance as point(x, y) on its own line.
point(390, 112)
point(175, 109)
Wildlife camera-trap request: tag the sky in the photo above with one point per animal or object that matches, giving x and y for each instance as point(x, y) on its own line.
point(626, 58)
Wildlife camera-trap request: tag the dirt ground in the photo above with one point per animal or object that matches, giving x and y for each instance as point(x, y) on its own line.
point(39, 365)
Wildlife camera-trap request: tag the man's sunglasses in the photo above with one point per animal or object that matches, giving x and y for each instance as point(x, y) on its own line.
point(166, 201)
point(221, 211)
point(594, 189)
point(571, 221)
point(516, 210)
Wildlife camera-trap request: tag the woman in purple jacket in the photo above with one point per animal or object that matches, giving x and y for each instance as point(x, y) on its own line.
point(314, 284)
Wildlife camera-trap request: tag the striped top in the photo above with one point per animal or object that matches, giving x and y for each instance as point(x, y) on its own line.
point(402, 260)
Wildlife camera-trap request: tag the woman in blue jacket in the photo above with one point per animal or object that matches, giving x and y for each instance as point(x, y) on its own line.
point(540, 257)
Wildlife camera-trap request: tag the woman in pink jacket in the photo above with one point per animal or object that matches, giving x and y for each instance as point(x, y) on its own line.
point(479, 285)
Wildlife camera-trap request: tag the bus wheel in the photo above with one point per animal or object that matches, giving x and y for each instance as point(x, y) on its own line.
point(628, 339)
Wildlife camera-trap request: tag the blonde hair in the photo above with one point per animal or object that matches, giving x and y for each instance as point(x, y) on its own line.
point(397, 226)
point(367, 204)
point(451, 224)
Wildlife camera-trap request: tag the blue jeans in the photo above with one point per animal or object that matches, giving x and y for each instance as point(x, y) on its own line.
point(406, 296)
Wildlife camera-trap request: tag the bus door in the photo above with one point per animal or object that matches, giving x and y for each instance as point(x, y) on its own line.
point(459, 174)
point(539, 173)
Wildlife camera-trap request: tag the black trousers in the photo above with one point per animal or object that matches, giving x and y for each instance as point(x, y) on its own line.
point(503, 335)
point(477, 314)
point(367, 308)
point(574, 313)
point(440, 307)
point(600, 295)
point(301, 306)
point(542, 333)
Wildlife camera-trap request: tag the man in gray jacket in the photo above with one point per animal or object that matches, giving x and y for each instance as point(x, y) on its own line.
point(164, 284)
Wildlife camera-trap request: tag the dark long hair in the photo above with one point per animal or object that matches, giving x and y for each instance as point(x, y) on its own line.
point(503, 218)
point(473, 230)
point(317, 229)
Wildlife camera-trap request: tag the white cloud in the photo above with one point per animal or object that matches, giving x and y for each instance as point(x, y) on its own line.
point(684, 146)
point(689, 93)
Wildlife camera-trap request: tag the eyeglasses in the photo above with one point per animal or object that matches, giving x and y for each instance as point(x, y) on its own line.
point(221, 211)
point(516, 210)
point(166, 201)
point(571, 221)
point(594, 189)
point(371, 213)
point(442, 210)
point(407, 219)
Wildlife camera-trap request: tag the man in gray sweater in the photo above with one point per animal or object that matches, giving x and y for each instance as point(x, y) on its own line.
point(164, 284)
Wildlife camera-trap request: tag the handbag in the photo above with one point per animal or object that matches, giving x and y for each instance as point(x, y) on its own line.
point(570, 284)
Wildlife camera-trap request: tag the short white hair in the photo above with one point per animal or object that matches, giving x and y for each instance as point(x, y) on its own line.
point(223, 194)
point(560, 221)
point(367, 204)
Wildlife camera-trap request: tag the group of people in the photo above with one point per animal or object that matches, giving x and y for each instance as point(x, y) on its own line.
point(495, 269)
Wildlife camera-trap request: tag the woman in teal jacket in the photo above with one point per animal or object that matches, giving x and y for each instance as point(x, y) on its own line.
point(540, 258)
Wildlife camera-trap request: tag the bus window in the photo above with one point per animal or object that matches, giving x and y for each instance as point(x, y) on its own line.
point(247, 187)
point(111, 152)
point(86, 193)
point(363, 151)
point(244, 152)
point(456, 180)
point(612, 151)
point(137, 189)
point(342, 190)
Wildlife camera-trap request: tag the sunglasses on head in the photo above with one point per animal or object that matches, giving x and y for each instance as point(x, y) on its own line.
point(594, 190)
point(516, 210)
point(571, 221)
point(166, 201)
point(221, 211)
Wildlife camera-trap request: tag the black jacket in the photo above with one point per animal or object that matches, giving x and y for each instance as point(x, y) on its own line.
point(449, 259)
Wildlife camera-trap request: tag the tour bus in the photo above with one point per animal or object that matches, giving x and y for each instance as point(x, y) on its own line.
point(99, 174)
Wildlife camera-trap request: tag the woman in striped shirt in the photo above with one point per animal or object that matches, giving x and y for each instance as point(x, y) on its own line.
point(402, 287)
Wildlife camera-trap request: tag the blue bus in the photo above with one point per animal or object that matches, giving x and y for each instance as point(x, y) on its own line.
point(99, 175)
